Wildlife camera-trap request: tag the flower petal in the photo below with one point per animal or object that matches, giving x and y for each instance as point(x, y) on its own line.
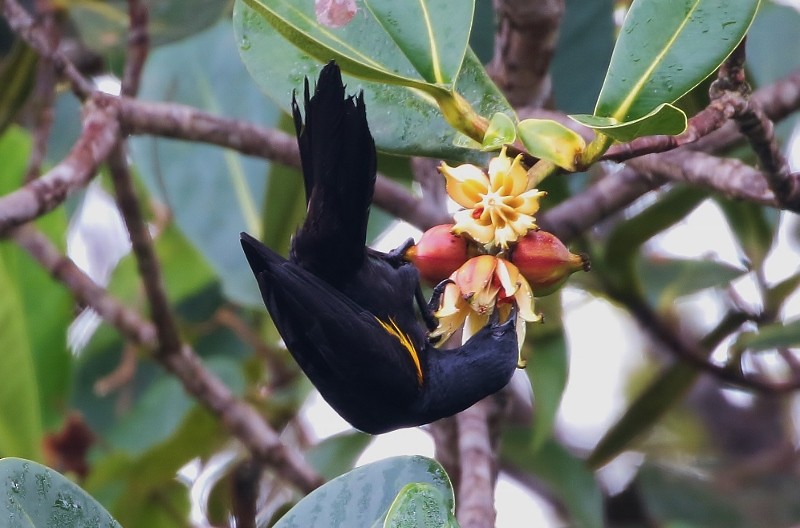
point(524, 300)
point(465, 223)
point(450, 302)
point(509, 277)
point(530, 201)
point(498, 171)
point(451, 316)
point(465, 183)
point(473, 324)
point(518, 176)
point(522, 359)
point(504, 235)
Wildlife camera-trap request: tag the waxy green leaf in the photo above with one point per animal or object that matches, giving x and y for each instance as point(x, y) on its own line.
point(501, 132)
point(431, 35)
point(666, 48)
point(36, 496)
point(771, 336)
point(364, 495)
point(420, 505)
point(550, 140)
point(403, 118)
point(665, 119)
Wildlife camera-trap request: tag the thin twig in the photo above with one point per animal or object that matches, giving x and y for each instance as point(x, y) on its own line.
point(44, 92)
point(138, 47)
point(478, 463)
point(185, 122)
point(37, 38)
point(729, 177)
point(169, 340)
point(37, 197)
point(691, 353)
point(615, 191)
point(241, 419)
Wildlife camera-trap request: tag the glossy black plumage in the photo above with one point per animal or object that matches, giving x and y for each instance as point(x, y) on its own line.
point(348, 314)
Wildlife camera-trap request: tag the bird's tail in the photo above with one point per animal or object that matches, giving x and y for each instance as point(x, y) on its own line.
point(339, 163)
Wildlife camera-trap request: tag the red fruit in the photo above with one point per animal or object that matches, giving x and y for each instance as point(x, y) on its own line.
point(546, 262)
point(438, 253)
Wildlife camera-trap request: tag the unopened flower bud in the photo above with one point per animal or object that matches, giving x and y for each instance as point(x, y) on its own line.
point(438, 253)
point(544, 260)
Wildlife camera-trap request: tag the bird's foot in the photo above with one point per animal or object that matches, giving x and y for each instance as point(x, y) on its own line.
point(397, 256)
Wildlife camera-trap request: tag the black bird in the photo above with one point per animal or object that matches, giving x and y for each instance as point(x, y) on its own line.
point(347, 313)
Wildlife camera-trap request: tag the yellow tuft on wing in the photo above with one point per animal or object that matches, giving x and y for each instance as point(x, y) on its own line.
point(392, 328)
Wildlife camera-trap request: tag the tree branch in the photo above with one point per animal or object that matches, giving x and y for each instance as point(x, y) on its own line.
point(37, 38)
point(241, 419)
point(527, 33)
point(478, 463)
point(138, 48)
point(184, 122)
point(39, 196)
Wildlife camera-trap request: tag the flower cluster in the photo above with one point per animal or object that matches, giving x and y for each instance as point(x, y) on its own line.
point(498, 207)
point(494, 255)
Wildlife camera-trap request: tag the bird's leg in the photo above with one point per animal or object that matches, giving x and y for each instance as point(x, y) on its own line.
point(397, 256)
point(425, 309)
point(429, 308)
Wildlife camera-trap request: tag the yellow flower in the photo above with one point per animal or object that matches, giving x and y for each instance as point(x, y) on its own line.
point(498, 208)
point(480, 286)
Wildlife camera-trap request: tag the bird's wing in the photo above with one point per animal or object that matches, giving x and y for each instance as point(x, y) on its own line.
point(332, 338)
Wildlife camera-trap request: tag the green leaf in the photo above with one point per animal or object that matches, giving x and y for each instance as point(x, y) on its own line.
point(658, 397)
point(666, 48)
point(185, 270)
point(158, 412)
point(104, 25)
point(664, 119)
point(501, 132)
point(402, 120)
point(364, 495)
point(420, 505)
point(666, 279)
point(550, 140)
point(432, 35)
point(337, 454)
point(213, 193)
point(776, 295)
point(548, 368)
point(18, 69)
point(770, 336)
point(284, 201)
point(564, 474)
point(20, 418)
point(37, 496)
point(754, 228)
point(47, 304)
point(649, 407)
point(775, 23)
point(585, 43)
point(625, 241)
point(143, 490)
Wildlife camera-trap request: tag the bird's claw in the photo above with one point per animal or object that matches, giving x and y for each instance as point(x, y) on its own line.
point(397, 256)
